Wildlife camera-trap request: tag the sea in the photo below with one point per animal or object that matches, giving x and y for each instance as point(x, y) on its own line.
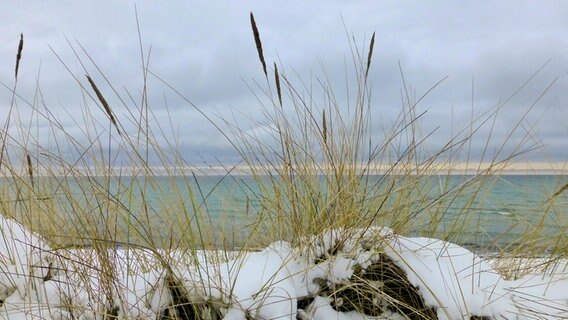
point(485, 214)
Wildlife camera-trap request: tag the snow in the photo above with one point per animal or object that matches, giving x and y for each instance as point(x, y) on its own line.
point(279, 282)
point(541, 297)
point(321, 309)
point(452, 278)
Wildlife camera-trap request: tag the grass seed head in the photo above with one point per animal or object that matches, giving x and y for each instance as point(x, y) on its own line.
point(19, 55)
point(104, 103)
point(258, 43)
point(30, 168)
point(277, 80)
point(369, 57)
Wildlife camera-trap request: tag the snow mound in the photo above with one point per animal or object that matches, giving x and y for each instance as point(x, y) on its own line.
point(24, 259)
point(340, 274)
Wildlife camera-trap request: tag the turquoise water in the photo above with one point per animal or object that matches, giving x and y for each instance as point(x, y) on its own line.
point(498, 214)
point(488, 215)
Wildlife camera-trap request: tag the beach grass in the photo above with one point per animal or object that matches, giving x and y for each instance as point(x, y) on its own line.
point(122, 182)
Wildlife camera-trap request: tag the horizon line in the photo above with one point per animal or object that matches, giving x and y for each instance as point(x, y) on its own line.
point(459, 168)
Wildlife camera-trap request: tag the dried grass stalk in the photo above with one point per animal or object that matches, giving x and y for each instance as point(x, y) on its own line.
point(324, 128)
point(258, 43)
point(104, 103)
point(30, 169)
point(277, 80)
point(557, 193)
point(19, 55)
point(369, 57)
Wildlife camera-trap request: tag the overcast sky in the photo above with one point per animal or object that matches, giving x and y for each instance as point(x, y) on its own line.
point(206, 51)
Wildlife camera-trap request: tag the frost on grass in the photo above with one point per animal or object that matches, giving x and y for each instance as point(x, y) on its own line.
point(340, 274)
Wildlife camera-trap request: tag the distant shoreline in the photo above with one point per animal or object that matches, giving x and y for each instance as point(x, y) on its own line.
point(521, 168)
point(442, 169)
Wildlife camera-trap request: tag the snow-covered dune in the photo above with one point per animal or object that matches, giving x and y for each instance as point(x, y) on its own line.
point(342, 274)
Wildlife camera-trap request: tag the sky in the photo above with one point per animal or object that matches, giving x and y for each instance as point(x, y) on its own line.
point(484, 51)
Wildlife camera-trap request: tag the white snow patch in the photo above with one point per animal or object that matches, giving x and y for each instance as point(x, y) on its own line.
point(261, 285)
point(451, 278)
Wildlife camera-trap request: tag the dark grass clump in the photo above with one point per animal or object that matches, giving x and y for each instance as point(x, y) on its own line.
point(184, 308)
point(381, 287)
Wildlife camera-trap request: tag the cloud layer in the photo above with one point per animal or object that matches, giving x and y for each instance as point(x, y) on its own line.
point(487, 51)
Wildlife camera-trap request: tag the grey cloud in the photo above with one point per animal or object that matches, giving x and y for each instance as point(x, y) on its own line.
point(206, 51)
